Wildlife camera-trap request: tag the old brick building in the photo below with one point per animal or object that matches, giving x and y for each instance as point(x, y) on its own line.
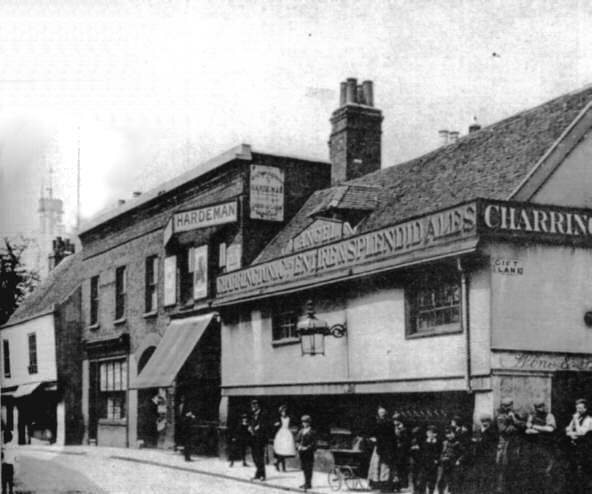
point(150, 335)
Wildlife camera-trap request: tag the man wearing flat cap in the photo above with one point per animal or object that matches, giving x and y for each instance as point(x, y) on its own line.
point(509, 426)
point(258, 439)
point(540, 450)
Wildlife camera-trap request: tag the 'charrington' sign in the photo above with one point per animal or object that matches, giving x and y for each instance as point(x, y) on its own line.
point(428, 231)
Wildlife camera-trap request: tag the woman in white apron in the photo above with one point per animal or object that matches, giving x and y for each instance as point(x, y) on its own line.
point(283, 443)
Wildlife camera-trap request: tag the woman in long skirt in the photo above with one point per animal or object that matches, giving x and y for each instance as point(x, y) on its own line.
point(380, 472)
point(283, 443)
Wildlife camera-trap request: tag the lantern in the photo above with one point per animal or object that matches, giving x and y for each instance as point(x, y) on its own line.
point(312, 332)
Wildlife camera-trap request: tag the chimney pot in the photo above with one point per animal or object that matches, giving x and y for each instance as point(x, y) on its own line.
point(444, 137)
point(342, 93)
point(351, 91)
point(120, 202)
point(453, 136)
point(474, 127)
point(360, 95)
point(368, 90)
point(136, 193)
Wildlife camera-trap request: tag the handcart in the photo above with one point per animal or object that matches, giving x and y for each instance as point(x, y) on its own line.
point(350, 468)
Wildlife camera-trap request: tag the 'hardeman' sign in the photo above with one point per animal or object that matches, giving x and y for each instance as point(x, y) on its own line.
point(446, 232)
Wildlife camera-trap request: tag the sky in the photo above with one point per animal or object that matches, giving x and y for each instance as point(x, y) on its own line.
point(147, 89)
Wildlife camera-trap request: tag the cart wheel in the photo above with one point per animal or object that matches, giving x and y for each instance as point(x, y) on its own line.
point(351, 481)
point(334, 479)
point(363, 484)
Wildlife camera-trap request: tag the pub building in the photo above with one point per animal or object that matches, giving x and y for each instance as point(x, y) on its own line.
point(151, 338)
point(434, 287)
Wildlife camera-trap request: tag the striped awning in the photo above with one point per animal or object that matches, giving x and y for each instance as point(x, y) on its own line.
point(176, 345)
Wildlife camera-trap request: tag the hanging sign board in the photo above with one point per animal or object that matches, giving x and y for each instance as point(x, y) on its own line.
point(170, 280)
point(200, 272)
point(233, 257)
point(266, 193)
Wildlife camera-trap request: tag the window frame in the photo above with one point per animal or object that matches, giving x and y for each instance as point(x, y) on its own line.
point(94, 301)
point(112, 389)
point(6, 358)
point(433, 282)
point(284, 321)
point(33, 367)
point(120, 293)
point(151, 267)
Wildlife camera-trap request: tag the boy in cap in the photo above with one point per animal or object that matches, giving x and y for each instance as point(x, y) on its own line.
point(509, 426)
point(450, 460)
point(306, 444)
point(239, 441)
point(431, 449)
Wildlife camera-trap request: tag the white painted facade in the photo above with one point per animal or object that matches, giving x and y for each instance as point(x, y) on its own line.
point(18, 341)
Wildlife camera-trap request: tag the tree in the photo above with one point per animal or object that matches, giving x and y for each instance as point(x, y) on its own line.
point(16, 281)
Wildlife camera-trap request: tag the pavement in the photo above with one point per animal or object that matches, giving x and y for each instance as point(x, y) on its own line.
point(164, 459)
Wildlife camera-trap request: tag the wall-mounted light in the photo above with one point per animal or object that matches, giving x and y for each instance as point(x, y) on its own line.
point(588, 318)
point(312, 332)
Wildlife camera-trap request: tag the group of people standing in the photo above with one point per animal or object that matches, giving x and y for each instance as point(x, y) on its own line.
point(252, 432)
point(512, 453)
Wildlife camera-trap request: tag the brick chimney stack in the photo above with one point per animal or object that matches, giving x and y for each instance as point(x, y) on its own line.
point(60, 249)
point(356, 129)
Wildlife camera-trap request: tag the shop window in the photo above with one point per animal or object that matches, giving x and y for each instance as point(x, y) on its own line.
point(433, 303)
point(94, 300)
point(284, 325)
point(6, 357)
point(120, 292)
point(112, 386)
point(32, 353)
point(151, 288)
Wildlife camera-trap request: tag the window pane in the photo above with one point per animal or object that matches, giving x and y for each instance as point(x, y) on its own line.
point(434, 300)
point(103, 379)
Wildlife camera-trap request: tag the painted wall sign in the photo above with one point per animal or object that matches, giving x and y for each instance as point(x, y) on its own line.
point(430, 230)
point(509, 267)
point(200, 272)
point(321, 231)
point(538, 220)
point(233, 257)
point(266, 193)
point(217, 214)
point(170, 280)
point(541, 361)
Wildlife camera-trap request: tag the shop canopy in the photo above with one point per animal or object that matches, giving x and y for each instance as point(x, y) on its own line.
point(176, 345)
point(25, 389)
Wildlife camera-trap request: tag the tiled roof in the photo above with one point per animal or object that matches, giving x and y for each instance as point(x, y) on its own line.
point(490, 163)
point(58, 285)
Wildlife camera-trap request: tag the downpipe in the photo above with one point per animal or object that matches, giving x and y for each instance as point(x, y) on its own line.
point(464, 321)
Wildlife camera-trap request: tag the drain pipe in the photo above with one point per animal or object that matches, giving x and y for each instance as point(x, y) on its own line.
point(464, 321)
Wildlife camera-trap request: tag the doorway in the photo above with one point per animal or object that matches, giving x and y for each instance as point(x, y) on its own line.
point(566, 388)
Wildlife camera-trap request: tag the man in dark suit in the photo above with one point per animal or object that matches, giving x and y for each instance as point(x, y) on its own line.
point(258, 439)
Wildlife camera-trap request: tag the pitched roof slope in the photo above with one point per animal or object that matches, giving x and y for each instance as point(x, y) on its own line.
point(53, 290)
point(489, 163)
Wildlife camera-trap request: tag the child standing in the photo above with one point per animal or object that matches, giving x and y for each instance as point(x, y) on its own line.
point(306, 444)
point(450, 461)
point(239, 441)
point(415, 458)
point(283, 442)
point(431, 450)
point(7, 465)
